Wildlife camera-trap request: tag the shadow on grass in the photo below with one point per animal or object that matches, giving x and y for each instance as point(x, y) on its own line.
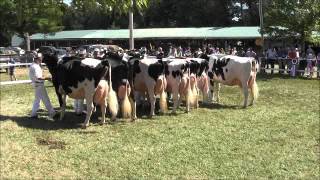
point(219, 106)
point(71, 121)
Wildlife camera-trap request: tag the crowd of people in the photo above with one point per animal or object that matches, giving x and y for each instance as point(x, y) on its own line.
point(291, 57)
point(178, 51)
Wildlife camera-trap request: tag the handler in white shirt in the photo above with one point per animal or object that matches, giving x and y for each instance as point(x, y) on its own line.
point(35, 74)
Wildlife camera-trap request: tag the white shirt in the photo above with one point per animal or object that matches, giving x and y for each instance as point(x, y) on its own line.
point(35, 72)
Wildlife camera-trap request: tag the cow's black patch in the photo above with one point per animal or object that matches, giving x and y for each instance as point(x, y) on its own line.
point(218, 65)
point(177, 73)
point(155, 70)
point(119, 74)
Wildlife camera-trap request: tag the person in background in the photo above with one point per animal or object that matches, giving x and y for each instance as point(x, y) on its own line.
point(292, 55)
point(282, 56)
point(271, 58)
point(310, 64)
point(11, 69)
point(310, 50)
point(234, 51)
point(198, 52)
point(188, 52)
point(37, 78)
point(172, 52)
point(250, 53)
point(160, 53)
point(180, 52)
point(222, 51)
point(318, 65)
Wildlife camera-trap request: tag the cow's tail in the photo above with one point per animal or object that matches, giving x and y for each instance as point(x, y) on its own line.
point(126, 106)
point(163, 96)
point(255, 90)
point(189, 95)
point(254, 67)
point(112, 99)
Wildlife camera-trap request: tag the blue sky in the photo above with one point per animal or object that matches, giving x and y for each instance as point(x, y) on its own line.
point(67, 1)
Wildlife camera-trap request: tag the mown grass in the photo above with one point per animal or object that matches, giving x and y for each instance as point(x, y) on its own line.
point(277, 138)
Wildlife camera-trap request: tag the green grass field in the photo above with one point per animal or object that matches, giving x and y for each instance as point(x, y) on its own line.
point(276, 138)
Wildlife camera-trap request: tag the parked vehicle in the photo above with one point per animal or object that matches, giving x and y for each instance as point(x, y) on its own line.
point(47, 49)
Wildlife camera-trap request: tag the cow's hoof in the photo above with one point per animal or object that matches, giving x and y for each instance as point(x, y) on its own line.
point(102, 123)
point(174, 113)
point(133, 118)
point(84, 126)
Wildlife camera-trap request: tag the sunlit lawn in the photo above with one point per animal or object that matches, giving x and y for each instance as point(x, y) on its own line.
point(278, 138)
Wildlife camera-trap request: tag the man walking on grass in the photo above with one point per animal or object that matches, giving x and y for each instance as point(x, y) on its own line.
point(35, 74)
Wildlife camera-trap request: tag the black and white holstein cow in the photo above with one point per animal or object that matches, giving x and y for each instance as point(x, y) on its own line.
point(180, 83)
point(199, 68)
point(149, 77)
point(234, 70)
point(121, 74)
point(81, 79)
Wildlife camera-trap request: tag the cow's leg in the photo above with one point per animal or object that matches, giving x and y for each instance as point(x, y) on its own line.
point(103, 113)
point(217, 90)
point(134, 108)
point(175, 97)
point(89, 101)
point(245, 93)
point(211, 91)
point(89, 111)
point(64, 102)
point(179, 100)
point(254, 92)
point(59, 97)
point(152, 99)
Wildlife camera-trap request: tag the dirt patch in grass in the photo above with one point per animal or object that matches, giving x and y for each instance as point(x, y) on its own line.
point(51, 143)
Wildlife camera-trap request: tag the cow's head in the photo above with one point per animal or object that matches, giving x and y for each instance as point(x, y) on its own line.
point(51, 60)
point(216, 66)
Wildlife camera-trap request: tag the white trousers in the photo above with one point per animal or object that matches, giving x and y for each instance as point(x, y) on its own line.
point(41, 94)
point(78, 106)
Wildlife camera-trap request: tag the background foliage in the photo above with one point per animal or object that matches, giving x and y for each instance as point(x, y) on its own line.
point(21, 16)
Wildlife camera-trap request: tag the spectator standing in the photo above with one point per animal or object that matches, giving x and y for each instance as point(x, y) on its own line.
point(222, 51)
point(188, 52)
point(310, 50)
point(292, 56)
point(282, 54)
point(318, 65)
point(12, 75)
point(250, 53)
point(160, 53)
point(234, 51)
point(271, 58)
point(172, 52)
point(180, 52)
point(310, 63)
point(37, 78)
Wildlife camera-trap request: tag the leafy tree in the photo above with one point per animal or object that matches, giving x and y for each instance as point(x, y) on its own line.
point(26, 17)
point(7, 21)
point(292, 18)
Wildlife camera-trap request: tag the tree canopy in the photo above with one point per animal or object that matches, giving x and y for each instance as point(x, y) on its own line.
point(296, 18)
point(282, 17)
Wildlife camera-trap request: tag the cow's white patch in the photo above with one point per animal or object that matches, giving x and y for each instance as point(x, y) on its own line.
point(81, 89)
point(90, 62)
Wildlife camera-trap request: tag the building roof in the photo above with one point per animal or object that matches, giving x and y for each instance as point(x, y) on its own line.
point(246, 32)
